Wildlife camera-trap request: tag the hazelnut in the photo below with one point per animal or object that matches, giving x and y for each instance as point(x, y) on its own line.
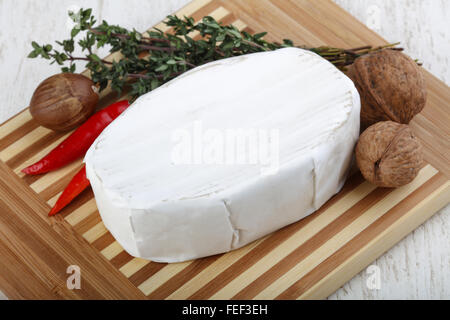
point(64, 101)
point(391, 86)
point(389, 155)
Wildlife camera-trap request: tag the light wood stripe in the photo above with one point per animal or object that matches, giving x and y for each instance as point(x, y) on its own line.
point(34, 148)
point(53, 200)
point(13, 124)
point(162, 276)
point(133, 266)
point(82, 212)
point(95, 233)
point(112, 250)
point(348, 233)
point(23, 143)
point(381, 242)
point(17, 134)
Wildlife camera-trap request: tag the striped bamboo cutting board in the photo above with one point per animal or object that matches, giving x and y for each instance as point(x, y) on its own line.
point(309, 259)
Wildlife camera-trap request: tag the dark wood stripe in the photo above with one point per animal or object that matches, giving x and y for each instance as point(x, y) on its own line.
point(104, 241)
point(29, 180)
point(17, 134)
point(88, 223)
point(146, 272)
point(363, 238)
point(182, 277)
point(33, 149)
point(121, 259)
point(59, 185)
point(312, 244)
point(268, 245)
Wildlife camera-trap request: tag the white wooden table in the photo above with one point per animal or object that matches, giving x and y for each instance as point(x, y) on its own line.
point(416, 268)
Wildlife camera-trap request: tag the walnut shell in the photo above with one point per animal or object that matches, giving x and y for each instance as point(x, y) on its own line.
point(391, 86)
point(64, 101)
point(389, 155)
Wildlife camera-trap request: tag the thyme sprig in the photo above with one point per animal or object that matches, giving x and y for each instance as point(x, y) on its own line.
point(150, 59)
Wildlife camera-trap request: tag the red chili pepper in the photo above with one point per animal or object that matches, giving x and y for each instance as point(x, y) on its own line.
point(77, 185)
point(76, 145)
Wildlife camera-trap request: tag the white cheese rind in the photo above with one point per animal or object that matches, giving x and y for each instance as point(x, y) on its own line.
point(169, 213)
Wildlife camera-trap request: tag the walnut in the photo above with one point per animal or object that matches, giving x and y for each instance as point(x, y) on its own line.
point(391, 86)
point(64, 101)
point(389, 155)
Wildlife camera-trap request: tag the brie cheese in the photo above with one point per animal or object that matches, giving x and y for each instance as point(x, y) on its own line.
point(166, 211)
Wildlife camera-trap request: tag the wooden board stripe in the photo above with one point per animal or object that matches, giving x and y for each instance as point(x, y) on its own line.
point(51, 202)
point(146, 272)
point(87, 223)
point(95, 232)
point(162, 276)
point(8, 129)
point(82, 212)
point(34, 148)
point(14, 122)
point(133, 266)
point(24, 143)
point(112, 250)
